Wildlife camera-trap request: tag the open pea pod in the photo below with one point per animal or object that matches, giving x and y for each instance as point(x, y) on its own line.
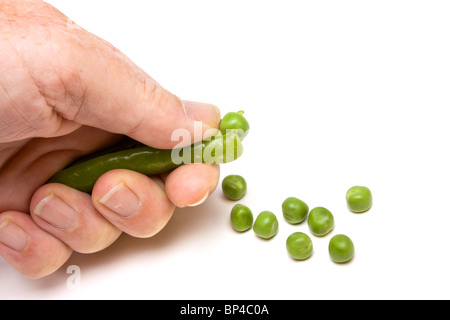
point(83, 173)
point(149, 161)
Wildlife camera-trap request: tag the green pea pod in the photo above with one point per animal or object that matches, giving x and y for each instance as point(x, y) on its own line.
point(83, 174)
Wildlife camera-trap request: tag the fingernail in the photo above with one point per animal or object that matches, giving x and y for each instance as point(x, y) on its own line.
point(200, 201)
point(207, 113)
point(56, 212)
point(13, 236)
point(122, 201)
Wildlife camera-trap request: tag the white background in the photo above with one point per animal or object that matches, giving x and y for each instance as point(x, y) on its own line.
point(337, 93)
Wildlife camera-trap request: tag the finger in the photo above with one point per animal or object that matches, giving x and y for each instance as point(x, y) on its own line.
point(39, 159)
point(133, 202)
point(191, 184)
point(70, 216)
point(29, 249)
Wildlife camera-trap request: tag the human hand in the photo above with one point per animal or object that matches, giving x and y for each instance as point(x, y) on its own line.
point(65, 93)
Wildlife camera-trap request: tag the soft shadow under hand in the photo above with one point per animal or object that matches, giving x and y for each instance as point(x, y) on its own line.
point(185, 223)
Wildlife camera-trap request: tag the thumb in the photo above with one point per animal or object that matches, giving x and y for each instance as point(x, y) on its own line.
point(111, 93)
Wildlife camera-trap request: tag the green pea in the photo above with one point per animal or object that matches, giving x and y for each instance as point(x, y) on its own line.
point(299, 246)
point(235, 121)
point(241, 217)
point(359, 199)
point(234, 187)
point(320, 221)
point(266, 225)
point(341, 248)
point(294, 210)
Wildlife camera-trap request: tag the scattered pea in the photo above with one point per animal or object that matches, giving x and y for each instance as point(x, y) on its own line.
point(299, 246)
point(266, 225)
point(341, 248)
point(320, 221)
point(359, 199)
point(294, 210)
point(241, 217)
point(234, 187)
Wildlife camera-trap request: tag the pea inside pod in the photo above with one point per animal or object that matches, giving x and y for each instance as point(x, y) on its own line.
point(235, 121)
